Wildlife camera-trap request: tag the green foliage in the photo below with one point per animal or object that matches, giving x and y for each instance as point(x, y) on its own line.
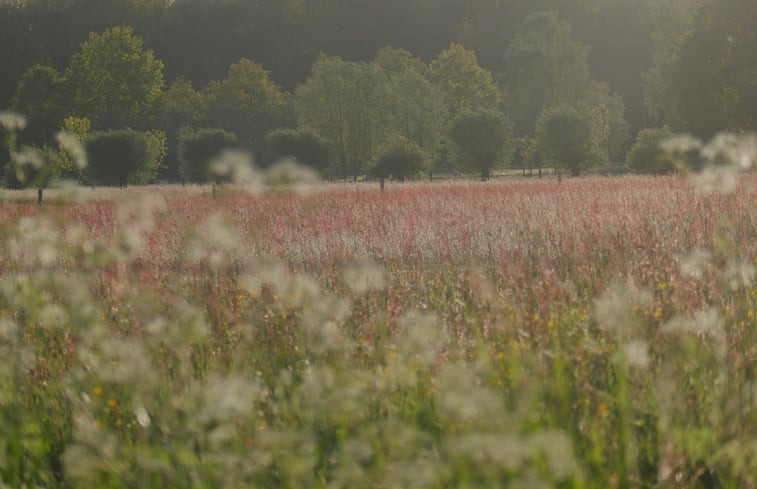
point(714, 75)
point(247, 103)
point(465, 84)
point(114, 80)
point(545, 66)
point(400, 159)
point(41, 96)
point(198, 148)
point(181, 106)
point(563, 135)
point(419, 111)
point(123, 157)
point(646, 156)
point(671, 21)
point(481, 140)
point(303, 145)
point(350, 105)
point(400, 62)
point(77, 127)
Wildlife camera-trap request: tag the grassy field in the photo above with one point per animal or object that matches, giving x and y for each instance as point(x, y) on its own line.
point(592, 333)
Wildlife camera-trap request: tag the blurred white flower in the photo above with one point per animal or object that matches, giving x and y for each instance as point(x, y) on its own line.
point(288, 173)
point(706, 324)
point(237, 167)
point(12, 121)
point(70, 144)
point(143, 417)
point(362, 276)
point(695, 263)
point(636, 354)
point(616, 308)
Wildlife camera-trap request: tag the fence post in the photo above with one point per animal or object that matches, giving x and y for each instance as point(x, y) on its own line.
point(39, 195)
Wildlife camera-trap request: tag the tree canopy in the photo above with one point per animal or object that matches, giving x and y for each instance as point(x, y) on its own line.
point(358, 72)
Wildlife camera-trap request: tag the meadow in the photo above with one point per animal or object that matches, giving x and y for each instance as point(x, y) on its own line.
point(592, 333)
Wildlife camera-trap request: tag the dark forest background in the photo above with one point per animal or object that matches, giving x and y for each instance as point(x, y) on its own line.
point(673, 65)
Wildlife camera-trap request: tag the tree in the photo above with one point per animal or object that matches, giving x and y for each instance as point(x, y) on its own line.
point(122, 157)
point(671, 22)
point(181, 106)
point(114, 81)
point(646, 155)
point(399, 61)
point(563, 138)
point(419, 112)
point(349, 105)
point(303, 145)
point(248, 104)
point(197, 149)
point(544, 66)
point(715, 74)
point(40, 96)
point(465, 84)
point(608, 129)
point(481, 140)
point(401, 159)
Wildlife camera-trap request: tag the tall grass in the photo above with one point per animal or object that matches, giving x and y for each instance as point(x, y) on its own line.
point(588, 334)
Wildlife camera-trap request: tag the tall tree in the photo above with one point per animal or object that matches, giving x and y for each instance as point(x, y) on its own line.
point(349, 105)
point(181, 106)
point(715, 73)
point(248, 104)
point(114, 80)
point(481, 140)
point(40, 96)
point(462, 80)
point(563, 136)
point(545, 66)
point(671, 22)
point(419, 111)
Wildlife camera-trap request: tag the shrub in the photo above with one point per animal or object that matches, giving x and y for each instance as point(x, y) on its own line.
point(198, 148)
point(124, 156)
point(400, 160)
point(646, 156)
point(481, 140)
point(304, 145)
point(563, 138)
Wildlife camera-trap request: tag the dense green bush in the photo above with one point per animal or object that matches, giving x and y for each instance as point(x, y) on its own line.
point(399, 161)
point(124, 156)
point(481, 140)
point(304, 145)
point(563, 138)
point(198, 148)
point(646, 156)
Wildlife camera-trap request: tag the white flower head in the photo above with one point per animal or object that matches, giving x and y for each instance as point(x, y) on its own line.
point(70, 144)
point(12, 121)
point(362, 276)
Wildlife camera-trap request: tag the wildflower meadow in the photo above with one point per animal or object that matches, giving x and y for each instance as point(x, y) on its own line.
point(589, 333)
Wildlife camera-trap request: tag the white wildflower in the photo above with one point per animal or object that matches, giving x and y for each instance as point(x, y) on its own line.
point(236, 166)
point(695, 263)
point(636, 354)
point(615, 309)
point(422, 338)
point(289, 173)
point(143, 417)
point(12, 121)
point(707, 324)
point(70, 144)
point(363, 276)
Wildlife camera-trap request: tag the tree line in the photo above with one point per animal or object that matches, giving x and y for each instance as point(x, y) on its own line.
point(354, 87)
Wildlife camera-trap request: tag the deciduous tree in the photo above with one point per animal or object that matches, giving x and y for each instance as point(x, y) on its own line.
point(481, 140)
point(563, 137)
point(115, 81)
